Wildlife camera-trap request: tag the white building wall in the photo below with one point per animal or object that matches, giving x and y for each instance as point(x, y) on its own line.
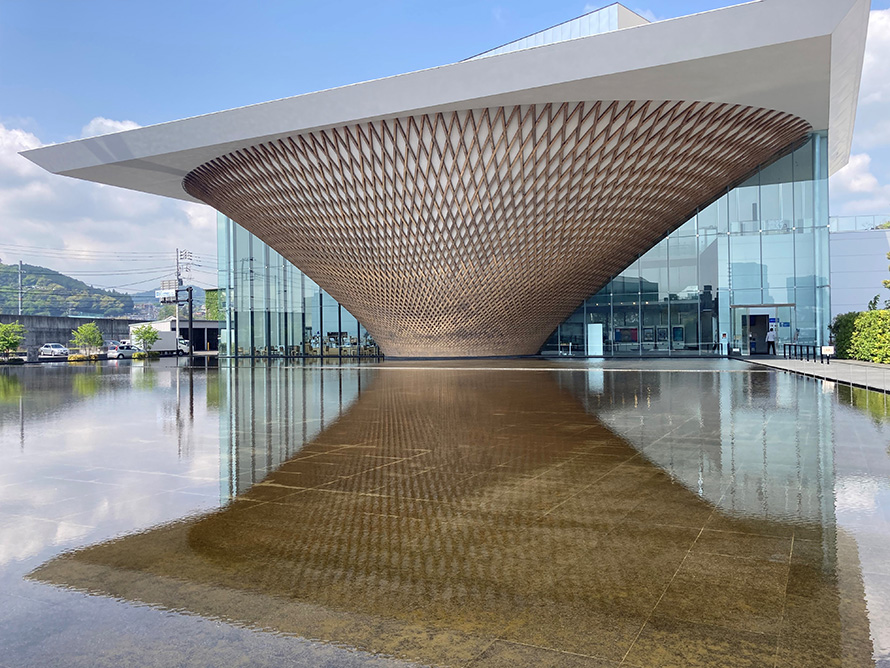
point(858, 265)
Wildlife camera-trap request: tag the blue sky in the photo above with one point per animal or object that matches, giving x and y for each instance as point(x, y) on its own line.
point(68, 69)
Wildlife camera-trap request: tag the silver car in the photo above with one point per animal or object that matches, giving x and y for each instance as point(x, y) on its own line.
point(52, 350)
point(122, 351)
point(107, 344)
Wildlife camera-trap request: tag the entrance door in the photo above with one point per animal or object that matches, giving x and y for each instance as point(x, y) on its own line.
point(751, 323)
point(758, 326)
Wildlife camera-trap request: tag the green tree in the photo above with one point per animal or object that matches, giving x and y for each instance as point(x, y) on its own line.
point(48, 292)
point(842, 329)
point(213, 300)
point(10, 389)
point(11, 337)
point(169, 310)
point(871, 337)
point(87, 337)
point(146, 336)
point(887, 282)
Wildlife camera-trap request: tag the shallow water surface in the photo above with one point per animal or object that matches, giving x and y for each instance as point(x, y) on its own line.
point(517, 512)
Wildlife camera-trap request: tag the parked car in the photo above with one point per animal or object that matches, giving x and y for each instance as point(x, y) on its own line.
point(122, 351)
point(107, 344)
point(52, 350)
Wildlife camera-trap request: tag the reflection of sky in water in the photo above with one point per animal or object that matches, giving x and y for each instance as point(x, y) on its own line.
point(862, 500)
point(783, 448)
point(88, 456)
point(90, 453)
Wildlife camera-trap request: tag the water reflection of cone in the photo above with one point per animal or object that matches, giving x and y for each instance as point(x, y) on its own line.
point(444, 510)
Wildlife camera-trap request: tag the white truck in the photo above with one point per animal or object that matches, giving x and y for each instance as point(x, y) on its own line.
point(167, 344)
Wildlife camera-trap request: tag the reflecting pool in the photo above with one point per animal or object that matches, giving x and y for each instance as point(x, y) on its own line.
point(498, 513)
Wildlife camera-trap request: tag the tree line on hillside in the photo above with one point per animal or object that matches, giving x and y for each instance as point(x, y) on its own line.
point(48, 292)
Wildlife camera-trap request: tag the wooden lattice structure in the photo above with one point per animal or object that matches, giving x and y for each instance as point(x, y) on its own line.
point(476, 232)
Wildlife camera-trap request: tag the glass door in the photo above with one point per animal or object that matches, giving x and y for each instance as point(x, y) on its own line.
point(751, 323)
point(785, 327)
point(739, 337)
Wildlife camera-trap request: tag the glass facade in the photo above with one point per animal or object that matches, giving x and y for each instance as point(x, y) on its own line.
point(606, 19)
point(860, 223)
point(755, 258)
point(269, 308)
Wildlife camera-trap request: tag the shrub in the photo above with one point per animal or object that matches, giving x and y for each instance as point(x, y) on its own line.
point(842, 331)
point(87, 336)
point(11, 337)
point(871, 337)
point(78, 357)
point(11, 360)
point(146, 336)
point(145, 356)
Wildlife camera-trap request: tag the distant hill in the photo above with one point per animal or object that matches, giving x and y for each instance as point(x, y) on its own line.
point(148, 296)
point(49, 292)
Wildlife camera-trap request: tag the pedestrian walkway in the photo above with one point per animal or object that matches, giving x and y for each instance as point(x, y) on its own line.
point(848, 372)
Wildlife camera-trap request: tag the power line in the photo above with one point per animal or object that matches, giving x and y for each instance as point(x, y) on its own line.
point(49, 290)
point(53, 272)
point(84, 251)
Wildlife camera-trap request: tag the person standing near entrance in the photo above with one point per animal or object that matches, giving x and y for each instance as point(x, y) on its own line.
point(771, 341)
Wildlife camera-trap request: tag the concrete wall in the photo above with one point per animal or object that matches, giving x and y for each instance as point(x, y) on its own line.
point(858, 265)
point(57, 329)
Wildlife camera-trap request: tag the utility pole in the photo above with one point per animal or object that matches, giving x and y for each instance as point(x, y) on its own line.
point(176, 305)
point(191, 327)
point(186, 256)
point(21, 289)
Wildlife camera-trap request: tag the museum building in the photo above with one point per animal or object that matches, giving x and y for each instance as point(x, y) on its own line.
point(608, 186)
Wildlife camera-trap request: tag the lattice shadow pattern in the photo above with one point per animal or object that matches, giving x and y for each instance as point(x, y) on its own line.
point(475, 233)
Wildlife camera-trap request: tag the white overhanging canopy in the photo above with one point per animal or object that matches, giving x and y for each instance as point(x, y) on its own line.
point(803, 57)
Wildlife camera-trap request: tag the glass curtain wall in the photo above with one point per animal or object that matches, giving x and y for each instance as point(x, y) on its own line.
point(755, 258)
point(269, 308)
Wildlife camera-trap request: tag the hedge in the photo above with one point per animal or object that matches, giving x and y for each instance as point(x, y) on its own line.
point(871, 337)
point(863, 336)
point(842, 332)
point(80, 357)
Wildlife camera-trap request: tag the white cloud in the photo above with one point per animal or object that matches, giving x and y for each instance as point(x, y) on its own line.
point(104, 126)
point(63, 214)
point(872, 125)
point(856, 190)
point(200, 217)
point(863, 186)
point(875, 86)
point(856, 177)
point(647, 14)
point(11, 164)
point(874, 134)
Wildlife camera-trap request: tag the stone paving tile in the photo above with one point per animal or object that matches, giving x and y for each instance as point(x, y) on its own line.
point(673, 643)
point(640, 526)
point(503, 654)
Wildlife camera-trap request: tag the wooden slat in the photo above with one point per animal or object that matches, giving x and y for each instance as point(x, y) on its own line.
point(440, 251)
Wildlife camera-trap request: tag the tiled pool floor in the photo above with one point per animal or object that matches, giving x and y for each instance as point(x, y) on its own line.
point(700, 514)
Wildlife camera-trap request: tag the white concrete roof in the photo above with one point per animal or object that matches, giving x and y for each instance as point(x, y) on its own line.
point(803, 57)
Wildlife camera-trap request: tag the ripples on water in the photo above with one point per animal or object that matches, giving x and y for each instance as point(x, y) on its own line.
point(506, 513)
